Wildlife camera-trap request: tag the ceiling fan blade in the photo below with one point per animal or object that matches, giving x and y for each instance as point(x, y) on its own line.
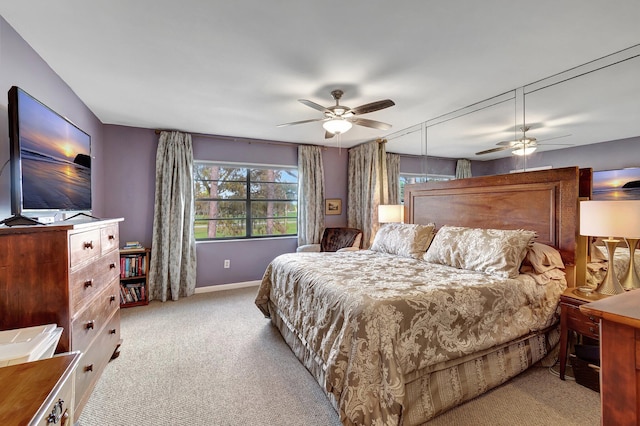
point(489, 151)
point(301, 122)
point(507, 143)
point(370, 123)
point(328, 135)
point(556, 137)
point(373, 106)
point(314, 105)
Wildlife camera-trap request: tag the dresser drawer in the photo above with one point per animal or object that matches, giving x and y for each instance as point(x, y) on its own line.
point(90, 322)
point(60, 411)
point(583, 324)
point(96, 357)
point(83, 247)
point(109, 238)
point(91, 279)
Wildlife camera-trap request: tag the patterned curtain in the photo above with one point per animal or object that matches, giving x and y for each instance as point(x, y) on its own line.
point(310, 195)
point(393, 175)
point(368, 188)
point(172, 269)
point(463, 169)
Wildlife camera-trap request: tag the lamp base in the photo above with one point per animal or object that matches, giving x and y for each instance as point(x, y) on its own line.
point(610, 284)
point(631, 280)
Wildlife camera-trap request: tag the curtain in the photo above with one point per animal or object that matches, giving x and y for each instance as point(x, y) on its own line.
point(172, 269)
point(393, 176)
point(368, 188)
point(310, 194)
point(463, 169)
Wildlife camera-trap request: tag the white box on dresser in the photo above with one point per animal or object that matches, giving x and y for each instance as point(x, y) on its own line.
point(68, 274)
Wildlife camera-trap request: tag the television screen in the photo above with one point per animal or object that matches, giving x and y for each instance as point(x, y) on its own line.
point(50, 158)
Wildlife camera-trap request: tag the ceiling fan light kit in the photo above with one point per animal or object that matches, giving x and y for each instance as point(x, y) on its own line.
point(337, 126)
point(524, 150)
point(339, 119)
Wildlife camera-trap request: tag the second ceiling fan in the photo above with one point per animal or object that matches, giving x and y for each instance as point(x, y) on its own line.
point(523, 146)
point(338, 118)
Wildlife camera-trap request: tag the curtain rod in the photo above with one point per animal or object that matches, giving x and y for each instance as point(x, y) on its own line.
point(237, 139)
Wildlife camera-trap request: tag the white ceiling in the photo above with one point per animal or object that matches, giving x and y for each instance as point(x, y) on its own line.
point(237, 68)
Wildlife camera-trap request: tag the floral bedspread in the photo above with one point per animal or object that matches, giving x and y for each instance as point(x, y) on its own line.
point(370, 319)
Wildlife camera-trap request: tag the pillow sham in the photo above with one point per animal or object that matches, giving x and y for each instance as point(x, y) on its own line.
point(403, 239)
point(494, 251)
point(543, 258)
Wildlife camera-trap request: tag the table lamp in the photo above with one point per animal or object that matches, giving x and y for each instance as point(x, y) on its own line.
point(611, 219)
point(391, 213)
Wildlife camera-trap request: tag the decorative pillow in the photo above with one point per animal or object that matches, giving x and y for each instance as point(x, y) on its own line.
point(403, 239)
point(543, 258)
point(494, 251)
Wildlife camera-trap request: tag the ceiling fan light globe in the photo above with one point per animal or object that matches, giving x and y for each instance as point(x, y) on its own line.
point(525, 150)
point(337, 126)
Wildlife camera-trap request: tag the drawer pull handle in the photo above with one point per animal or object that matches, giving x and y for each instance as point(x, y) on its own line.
point(591, 329)
point(112, 237)
point(112, 266)
point(88, 245)
point(89, 325)
point(88, 283)
point(592, 319)
point(88, 367)
point(112, 331)
point(112, 298)
point(56, 413)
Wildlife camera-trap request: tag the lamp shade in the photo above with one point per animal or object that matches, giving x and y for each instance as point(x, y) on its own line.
point(610, 218)
point(391, 213)
point(337, 126)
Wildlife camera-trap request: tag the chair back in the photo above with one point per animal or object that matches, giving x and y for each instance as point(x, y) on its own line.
point(334, 239)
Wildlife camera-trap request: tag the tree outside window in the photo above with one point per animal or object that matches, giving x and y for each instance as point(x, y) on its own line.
point(245, 202)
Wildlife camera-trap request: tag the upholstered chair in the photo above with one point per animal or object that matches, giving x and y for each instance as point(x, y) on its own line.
point(336, 239)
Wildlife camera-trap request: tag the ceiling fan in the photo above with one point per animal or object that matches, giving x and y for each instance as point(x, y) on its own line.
point(338, 118)
point(523, 146)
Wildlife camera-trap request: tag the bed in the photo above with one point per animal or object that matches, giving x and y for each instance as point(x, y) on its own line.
point(396, 335)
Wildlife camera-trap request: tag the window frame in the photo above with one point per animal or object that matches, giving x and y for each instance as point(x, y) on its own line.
point(247, 200)
point(431, 177)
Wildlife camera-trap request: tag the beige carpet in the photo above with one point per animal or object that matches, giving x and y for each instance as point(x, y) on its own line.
point(213, 359)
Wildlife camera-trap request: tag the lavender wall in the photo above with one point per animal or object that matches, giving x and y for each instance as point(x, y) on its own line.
point(21, 66)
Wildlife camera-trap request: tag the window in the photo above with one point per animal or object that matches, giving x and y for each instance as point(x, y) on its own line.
point(238, 201)
point(408, 178)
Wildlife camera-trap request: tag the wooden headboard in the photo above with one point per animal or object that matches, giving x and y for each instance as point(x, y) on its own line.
point(543, 201)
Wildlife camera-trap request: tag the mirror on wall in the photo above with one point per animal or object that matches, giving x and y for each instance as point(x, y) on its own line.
point(591, 103)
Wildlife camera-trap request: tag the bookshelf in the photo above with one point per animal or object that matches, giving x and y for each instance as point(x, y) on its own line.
point(134, 277)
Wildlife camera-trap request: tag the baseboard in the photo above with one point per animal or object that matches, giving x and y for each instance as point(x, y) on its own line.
point(231, 286)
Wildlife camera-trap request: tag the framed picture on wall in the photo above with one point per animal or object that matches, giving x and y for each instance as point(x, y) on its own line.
point(332, 206)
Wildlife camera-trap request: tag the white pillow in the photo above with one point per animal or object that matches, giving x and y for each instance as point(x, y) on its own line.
point(403, 239)
point(495, 251)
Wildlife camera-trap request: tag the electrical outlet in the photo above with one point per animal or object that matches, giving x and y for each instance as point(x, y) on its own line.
point(227, 263)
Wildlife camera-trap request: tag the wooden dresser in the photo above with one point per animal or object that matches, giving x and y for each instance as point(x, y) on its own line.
point(619, 357)
point(65, 274)
point(39, 392)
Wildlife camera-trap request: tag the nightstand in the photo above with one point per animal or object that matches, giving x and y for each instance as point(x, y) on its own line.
point(572, 320)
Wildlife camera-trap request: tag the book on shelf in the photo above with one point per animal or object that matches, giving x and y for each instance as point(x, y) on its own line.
point(132, 245)
point(130, 293)
point(133, 265)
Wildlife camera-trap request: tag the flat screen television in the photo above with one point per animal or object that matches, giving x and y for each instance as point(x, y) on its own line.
point(50, 160)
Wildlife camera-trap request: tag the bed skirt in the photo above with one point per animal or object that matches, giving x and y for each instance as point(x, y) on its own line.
point(438, 388)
